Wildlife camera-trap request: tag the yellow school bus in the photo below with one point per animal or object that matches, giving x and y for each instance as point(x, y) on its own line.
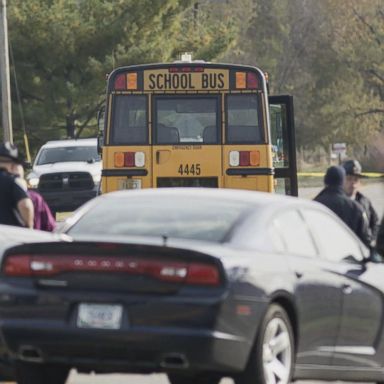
point(196, 124)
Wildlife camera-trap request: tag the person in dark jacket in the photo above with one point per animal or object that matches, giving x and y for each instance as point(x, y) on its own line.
point(380, 239)
point(352, 185)
point(334, 197)
point(16, 207)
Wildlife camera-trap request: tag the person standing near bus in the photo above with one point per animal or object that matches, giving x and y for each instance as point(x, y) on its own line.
point(43, 218)
point(16, 208)
point(352, 186)
point(334, 197)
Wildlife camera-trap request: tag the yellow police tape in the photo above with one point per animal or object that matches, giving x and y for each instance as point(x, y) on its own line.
point(321, 174)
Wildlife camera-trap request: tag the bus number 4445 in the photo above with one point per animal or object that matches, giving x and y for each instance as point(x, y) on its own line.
point(189, 169)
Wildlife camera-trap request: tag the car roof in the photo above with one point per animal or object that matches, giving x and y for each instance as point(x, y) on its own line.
point(92, 142)
point(253, 197)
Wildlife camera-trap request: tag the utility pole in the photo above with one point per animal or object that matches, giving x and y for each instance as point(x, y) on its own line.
point(5, 79)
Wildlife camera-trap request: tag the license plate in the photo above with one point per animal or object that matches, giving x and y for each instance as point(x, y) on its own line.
point(102, 316)
point(129, 184)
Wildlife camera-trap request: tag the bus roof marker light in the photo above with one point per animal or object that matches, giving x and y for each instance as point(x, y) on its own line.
point(234, 158)
point(252, 80)
point(241, 80)
point(132, 81)
point(120, 82)
point(139, 159)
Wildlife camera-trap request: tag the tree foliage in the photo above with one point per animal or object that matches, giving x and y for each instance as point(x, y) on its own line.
point(328, 54)
point(63, 50)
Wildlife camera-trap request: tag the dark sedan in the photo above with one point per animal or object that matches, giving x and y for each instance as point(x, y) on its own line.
point(199, 284)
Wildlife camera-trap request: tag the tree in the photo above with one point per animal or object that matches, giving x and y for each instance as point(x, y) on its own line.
point(63, 50)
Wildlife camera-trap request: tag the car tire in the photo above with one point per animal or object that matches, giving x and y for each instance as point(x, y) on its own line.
point(193, 379)
point(272, 357)
point(33, 373)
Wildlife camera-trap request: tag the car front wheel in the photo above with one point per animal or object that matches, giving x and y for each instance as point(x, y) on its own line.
point(30, 373)
point(272, 357)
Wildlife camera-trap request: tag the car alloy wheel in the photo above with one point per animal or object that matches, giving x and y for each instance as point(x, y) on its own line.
point(271, 358)
point(277, 352)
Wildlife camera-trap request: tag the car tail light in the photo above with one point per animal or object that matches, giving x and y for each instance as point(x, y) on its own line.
point(244, 158)
point(164, 270)
point(129, 159)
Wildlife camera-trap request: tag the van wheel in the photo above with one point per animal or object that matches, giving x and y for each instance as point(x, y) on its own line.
point(272, 357)
point(193, 379)
point(30, 373)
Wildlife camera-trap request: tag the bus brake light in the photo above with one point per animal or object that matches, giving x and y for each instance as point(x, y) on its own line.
point(244, 158)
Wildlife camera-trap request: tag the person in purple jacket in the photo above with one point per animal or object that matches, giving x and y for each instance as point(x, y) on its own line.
point(43, 218)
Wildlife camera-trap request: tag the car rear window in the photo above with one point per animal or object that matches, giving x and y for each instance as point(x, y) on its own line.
point(192, 218)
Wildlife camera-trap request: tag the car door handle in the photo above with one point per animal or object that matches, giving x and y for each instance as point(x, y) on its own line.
point(347, 289)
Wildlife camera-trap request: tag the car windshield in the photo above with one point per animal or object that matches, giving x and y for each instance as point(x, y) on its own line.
point(65, 154)
point(192, 218)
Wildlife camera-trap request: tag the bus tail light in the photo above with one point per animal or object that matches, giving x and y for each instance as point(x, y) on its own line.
point(129, 159)
point(244, 158)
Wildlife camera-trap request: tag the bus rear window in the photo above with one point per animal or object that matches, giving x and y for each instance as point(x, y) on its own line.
point(243, 120)
point(186, 120)
point(129, 120)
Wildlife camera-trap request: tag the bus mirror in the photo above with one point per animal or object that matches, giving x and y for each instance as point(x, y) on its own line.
point(100, 142)
point(100, 118)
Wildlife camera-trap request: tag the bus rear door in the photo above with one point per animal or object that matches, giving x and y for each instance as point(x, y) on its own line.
point(283, 144)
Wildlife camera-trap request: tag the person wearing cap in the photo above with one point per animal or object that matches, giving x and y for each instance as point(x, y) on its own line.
point(352, 185)
point(334, 197)
point(16, 208)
